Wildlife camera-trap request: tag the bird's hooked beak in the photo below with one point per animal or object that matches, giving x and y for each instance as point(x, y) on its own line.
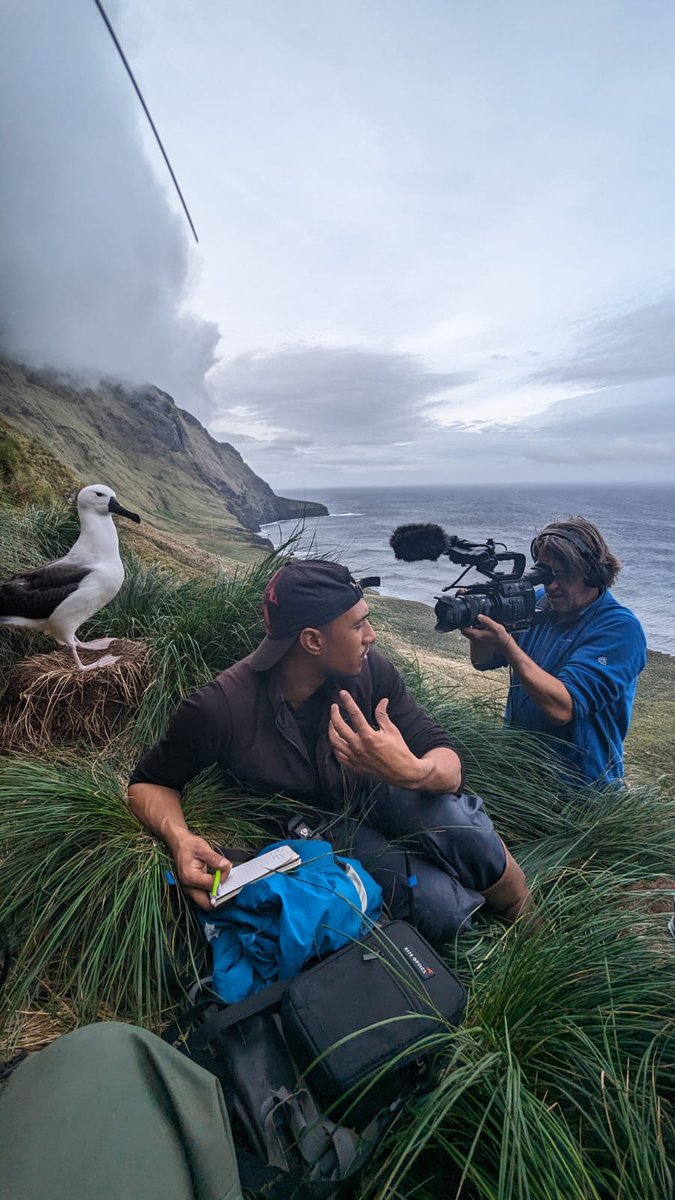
point(113, 506)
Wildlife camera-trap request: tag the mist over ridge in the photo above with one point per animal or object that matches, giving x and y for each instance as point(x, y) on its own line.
point(95, 265)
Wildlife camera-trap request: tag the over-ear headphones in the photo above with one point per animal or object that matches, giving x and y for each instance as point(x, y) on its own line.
point(598, 573)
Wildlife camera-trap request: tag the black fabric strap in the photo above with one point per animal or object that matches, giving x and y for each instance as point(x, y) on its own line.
point(271, 1183)
point(211, 1017)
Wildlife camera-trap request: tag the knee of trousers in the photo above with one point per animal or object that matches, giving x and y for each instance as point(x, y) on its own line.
point(416, 890)
point(400, 812)
point(452, 831)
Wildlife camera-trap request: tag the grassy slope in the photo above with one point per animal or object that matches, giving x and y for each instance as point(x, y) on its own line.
point(29, 472)
point(561, 1079)
point(160, 460)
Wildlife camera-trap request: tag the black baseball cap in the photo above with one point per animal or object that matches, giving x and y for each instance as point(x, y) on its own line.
point(303, 593)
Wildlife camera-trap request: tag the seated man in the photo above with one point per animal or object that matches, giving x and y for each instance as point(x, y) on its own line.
point(318, 714)
point(574, 673)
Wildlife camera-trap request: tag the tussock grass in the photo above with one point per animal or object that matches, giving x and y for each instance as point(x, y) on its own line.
point(559, 1084)
point(510, 768)
point(35, 534)
point(194, 631)
point(562, 1080)
point(84, 890)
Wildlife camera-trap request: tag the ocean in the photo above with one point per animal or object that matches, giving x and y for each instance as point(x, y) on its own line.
point(638, 523)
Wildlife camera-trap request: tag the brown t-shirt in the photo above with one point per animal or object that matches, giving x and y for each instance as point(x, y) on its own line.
point(241, 722)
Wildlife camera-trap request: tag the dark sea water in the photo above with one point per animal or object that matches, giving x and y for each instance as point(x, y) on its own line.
point(638, 522)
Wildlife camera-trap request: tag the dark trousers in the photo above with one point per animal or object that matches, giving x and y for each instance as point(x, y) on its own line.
point(433, 855)
point(111, 1112)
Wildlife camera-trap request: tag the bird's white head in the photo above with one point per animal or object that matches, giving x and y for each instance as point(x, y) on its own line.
point(97, 498)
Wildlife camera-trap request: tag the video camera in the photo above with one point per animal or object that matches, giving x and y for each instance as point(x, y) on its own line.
point(509, 597)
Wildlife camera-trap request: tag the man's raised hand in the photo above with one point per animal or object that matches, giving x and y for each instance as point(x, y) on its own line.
point(380, 752)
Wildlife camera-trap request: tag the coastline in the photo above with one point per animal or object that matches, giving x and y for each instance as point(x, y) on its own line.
point(361, 520)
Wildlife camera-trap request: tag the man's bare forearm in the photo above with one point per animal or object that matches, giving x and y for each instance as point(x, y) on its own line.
point(547, 691)
point(441, 771)
point(160, 810)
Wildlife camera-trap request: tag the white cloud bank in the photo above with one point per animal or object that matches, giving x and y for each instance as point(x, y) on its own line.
point(94, 265)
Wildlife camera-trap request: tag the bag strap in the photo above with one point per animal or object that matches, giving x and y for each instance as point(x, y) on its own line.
point(212, 1017)
point(250, 1006)
point(305, 1144)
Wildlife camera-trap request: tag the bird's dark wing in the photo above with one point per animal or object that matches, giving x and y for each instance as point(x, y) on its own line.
point(36, 594)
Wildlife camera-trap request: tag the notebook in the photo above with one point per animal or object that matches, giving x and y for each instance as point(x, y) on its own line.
point(283, 858)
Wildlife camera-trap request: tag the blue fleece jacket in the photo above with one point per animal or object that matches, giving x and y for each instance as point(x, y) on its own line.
point(598, 655)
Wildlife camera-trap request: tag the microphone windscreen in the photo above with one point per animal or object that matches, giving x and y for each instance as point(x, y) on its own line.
point(411, 543)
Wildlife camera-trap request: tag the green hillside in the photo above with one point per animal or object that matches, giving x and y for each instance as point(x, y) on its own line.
point(158, 458)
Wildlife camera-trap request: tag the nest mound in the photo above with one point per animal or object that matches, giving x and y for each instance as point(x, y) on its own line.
point(46, 701)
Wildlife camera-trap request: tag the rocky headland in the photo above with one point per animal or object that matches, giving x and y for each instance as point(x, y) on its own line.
point(159, 458)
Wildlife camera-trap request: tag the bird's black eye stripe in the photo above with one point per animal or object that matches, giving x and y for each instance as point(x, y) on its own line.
point(99, 493)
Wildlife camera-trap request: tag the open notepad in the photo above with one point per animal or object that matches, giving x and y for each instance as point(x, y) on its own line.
point(284, 858)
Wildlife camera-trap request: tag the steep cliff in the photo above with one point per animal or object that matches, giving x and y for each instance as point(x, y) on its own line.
point(159, 458)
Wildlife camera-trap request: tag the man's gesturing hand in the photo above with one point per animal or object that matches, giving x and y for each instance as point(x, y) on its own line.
point(381, 752)
point(195, 863)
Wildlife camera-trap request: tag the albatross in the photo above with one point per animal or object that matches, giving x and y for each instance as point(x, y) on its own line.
point(59, 596)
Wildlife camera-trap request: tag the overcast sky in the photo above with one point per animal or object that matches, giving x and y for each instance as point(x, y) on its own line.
point(437, 239)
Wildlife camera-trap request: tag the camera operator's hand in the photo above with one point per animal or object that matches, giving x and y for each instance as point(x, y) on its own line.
point(490, 632)
point(491, 639)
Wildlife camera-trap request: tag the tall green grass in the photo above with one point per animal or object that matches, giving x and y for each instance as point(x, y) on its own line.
point(562, 1079)
point(84, 888)
point(561, 1082)
point(35, 534)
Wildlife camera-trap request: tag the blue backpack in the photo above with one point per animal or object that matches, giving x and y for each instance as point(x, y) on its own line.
point(277, 924)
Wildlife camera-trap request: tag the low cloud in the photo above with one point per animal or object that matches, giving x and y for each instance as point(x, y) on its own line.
point(345, 396)
point(630, 346)
point(96, 270)
point(94, 265)
point(349, 414)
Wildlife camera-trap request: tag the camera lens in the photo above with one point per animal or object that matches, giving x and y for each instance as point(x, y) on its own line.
point(459, 612)
point(511, 603)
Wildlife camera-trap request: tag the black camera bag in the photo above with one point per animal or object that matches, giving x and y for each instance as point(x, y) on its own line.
point(362, 1024)
point(314, 1068)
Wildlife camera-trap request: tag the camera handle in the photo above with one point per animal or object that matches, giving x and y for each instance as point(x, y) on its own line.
point(495, 577)
point(485, 558)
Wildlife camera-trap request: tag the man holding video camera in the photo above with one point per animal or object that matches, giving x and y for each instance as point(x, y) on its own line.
point(574, 672)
